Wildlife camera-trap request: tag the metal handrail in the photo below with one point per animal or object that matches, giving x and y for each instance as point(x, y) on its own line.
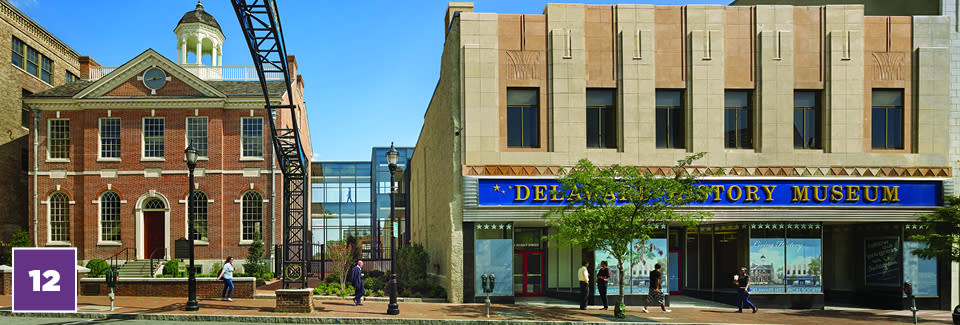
point(153, 268)
point(116, 257)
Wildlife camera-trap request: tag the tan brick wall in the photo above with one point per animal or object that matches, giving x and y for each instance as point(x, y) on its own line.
point(13, 81)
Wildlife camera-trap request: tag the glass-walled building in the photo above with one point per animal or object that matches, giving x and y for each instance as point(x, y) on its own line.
point(352, 198)
point(380, 215)
point(341, 202)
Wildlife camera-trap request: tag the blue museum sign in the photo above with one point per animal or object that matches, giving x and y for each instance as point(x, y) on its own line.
point(742, 192)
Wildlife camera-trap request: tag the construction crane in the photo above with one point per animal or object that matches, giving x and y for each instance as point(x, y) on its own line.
point(260, 23)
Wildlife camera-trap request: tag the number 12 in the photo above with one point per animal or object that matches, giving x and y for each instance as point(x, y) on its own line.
point(52, 285)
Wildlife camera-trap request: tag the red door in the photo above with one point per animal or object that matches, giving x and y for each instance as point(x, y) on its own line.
point(528, 277)
point(153, 234)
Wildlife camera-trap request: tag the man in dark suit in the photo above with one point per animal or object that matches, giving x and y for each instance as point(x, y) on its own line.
point(356, 279)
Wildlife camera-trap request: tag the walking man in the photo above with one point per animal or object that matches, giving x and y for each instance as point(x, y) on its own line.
point(584, 277)
point(655, 295)
point(356, 279)
point(603, 275)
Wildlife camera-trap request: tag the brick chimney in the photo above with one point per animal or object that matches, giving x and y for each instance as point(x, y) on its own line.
point(85, 63)
point(292, 66)
point(452, 9)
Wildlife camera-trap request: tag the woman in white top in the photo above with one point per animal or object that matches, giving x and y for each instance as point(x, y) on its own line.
point(226, 273)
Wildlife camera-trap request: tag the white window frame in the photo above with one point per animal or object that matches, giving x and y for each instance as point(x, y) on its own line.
point(100, 156)
point(243, 155)
point(50, 240)
point(186, 218)
point(143, 137)
point(49, 138)
point(244, 241)
point(100, 240)
point(186, 136)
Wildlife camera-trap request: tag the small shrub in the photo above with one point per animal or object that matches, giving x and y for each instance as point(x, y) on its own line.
point(438, 292)
point(405, 293)
point(321, 289)
point(332, 277)
point(268, 275)
point(216, 269)
point(97, 267)
point(380, 293)
point(349, 290)
point(172, 267)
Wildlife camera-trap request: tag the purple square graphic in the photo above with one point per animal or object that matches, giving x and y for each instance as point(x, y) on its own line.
point(44, 279)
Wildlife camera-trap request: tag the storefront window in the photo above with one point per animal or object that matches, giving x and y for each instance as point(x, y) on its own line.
point(920, 272)
point(766, 258)
point(804, 260)
point(494, 255)
point(638, 265)
point(880, 258)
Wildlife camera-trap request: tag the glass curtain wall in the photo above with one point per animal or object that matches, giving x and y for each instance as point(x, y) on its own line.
point(341, 197)
point(379, 214)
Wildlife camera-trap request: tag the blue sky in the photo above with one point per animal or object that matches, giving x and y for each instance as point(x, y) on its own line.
point(369, 70)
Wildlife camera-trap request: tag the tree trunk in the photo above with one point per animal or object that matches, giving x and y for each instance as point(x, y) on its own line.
point(622, 275)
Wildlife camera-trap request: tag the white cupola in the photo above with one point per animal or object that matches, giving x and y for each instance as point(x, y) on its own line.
point(199, 33)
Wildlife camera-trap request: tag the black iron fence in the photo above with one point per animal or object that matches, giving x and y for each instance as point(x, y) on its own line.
point(319, 263)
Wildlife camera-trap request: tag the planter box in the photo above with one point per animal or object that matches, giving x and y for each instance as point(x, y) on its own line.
point(243, 287)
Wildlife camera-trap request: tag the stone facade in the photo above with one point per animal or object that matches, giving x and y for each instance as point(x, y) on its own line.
point(14, 82)
point(704, 50)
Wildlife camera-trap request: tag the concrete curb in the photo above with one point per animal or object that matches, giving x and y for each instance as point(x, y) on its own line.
point(305, 319)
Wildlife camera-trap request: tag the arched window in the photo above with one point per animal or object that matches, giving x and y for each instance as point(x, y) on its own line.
point(199, 216)
point(59, 217)
point(154, 205)
point(110, 216)
point(251, 215)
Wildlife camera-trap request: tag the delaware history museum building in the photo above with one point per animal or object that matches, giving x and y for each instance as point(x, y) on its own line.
point(107, 171)
point(829, 128)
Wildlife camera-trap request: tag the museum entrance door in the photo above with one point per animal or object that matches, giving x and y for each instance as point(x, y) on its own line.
point(528, 277)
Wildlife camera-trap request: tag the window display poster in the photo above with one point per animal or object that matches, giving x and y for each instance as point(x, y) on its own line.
point(804, 262)
point(766, 265)
point(921, 272)
point(614, 280)
point(881, 267)
point(637, 267)
point(645, 256)
point(491, 259)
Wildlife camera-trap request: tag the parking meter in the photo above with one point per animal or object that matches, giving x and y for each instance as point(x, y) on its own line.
point(112, 276)
point(488, 281)
point(908, 290)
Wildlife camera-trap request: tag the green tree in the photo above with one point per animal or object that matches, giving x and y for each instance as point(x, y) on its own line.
point(255, 264)
point(943, 241)
point(610, 208)
point(340, 253)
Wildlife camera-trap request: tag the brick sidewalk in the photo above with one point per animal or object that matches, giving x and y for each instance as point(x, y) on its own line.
point(339, 310)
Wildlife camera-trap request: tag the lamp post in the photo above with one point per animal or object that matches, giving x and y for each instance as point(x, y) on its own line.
point(392, 308)
point(192, 304)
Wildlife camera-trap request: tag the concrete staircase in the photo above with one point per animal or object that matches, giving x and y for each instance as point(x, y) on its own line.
point(139, 269)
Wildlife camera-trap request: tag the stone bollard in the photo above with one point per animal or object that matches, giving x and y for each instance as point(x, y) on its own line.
point(294, 300)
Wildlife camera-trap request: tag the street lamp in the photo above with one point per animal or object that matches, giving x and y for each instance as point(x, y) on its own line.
point(392, 308)
point(192, 304)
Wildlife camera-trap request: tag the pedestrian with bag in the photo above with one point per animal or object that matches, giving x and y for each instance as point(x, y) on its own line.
point(742, 281)
point(226, 274)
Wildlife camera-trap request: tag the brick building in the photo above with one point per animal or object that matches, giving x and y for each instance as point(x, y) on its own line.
point(37, 61)
point(109, 172)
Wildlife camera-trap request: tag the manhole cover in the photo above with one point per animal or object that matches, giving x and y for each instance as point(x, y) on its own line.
point(516, 314)
point(94, 308)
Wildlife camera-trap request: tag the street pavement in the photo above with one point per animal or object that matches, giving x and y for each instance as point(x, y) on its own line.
point(93, 310)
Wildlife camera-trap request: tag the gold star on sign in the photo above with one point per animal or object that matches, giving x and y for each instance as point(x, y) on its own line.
point(496, 188)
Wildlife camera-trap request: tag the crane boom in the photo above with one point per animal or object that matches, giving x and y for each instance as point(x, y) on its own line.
point(260, 23)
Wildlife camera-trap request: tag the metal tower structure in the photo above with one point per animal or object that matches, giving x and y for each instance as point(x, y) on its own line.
point(260, 23)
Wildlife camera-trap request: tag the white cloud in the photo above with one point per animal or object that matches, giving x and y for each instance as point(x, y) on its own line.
point(20, 4)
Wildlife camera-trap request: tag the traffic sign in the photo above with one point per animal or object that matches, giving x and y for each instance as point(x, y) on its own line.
point(44, 279)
